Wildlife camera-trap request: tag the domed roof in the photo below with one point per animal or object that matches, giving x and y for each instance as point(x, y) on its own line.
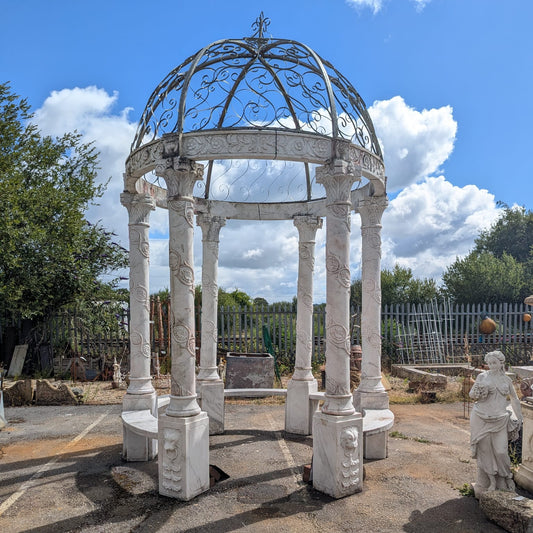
point(257, 83)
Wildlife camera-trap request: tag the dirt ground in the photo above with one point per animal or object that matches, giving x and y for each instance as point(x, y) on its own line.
point(61, 470)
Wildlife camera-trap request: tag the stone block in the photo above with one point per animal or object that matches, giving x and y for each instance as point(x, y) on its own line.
point(249, 371)
point(512, 512)
point(47, 393)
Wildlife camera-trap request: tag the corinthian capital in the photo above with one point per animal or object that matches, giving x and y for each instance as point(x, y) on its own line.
point(138, 206)
point(180, 175)
point(338, 178)
point(371, 209)
point(307, 226)
point(211, 226)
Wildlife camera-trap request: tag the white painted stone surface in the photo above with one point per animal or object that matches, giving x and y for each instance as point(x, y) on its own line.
point(338, 454)
point(183, 456)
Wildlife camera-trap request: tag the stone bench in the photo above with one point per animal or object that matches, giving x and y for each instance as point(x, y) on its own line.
point(376, 422)
point(142, 423)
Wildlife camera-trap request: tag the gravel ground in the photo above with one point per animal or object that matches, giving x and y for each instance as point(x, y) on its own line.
point(61, 470)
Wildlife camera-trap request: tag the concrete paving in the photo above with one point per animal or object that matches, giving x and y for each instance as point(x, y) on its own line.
point(61, 470)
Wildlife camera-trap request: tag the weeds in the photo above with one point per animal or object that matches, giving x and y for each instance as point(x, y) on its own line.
point(466, 490)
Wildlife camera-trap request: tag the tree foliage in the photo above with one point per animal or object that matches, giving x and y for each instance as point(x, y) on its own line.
point(399, 286)
point(484, 278)
point(500, 268)
point(51, 255)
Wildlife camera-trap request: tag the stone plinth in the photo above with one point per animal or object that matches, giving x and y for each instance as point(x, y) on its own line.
point(249, 371)
point(299, 410)
point(184, 456)
point(338, 454)
point(212, 403)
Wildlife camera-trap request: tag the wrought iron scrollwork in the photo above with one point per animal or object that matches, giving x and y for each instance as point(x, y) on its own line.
point(257, 82)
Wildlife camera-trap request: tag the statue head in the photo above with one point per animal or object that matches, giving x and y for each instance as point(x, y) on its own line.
point(496, 359)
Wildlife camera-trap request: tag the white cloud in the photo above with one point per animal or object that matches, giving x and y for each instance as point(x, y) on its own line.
point(431, 223)
point(375, 5)
point(415, 143)
point(426, 226)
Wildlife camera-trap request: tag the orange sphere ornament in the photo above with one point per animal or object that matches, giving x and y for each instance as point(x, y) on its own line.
point(487, 326)
point(527, 317)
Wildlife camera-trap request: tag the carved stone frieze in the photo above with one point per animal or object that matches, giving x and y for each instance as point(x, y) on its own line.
point(246, 144)
point(172, 460)
point(350, 463)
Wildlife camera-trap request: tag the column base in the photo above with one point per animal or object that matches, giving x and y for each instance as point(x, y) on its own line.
point(299, 410)
point(140, 386)
point(370, 400)
point(181, 406)
point(338, 454)
point(184, 459)
point(138, 447)
point(212, 403)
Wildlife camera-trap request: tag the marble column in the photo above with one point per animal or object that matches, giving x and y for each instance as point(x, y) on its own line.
point(337, 428)
point(298, 409)
point(371, 394)
point(209, 383)
point(141, 394)
point(184, 428)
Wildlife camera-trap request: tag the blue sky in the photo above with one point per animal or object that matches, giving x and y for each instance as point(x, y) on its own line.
point(449, 84)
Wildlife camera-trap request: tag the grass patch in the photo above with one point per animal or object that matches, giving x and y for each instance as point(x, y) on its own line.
point(466, 490)
point(399, 435)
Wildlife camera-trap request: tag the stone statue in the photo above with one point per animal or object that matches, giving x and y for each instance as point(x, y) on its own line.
point(493, 424)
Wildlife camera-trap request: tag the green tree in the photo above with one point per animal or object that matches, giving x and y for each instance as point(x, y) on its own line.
point(399, 286)
point(481, 277)
point(51, 255)
point(511, 234)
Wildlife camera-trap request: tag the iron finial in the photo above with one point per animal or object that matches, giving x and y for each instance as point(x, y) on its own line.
point(260, 26)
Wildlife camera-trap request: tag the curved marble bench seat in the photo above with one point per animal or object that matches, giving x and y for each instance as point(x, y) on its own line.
point(140, 422)
point(376, 422)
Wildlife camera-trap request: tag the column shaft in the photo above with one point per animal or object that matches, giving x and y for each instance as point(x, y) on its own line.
point(307, 227)
point(139, 207)
point(180, 176)
point(371, 210)
point(337, 179)
point(210, 238)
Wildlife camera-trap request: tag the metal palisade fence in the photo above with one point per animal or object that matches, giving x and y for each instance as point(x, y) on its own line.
point(435, 332)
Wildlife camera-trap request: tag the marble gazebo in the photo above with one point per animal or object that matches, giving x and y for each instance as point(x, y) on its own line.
point(272, 102)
